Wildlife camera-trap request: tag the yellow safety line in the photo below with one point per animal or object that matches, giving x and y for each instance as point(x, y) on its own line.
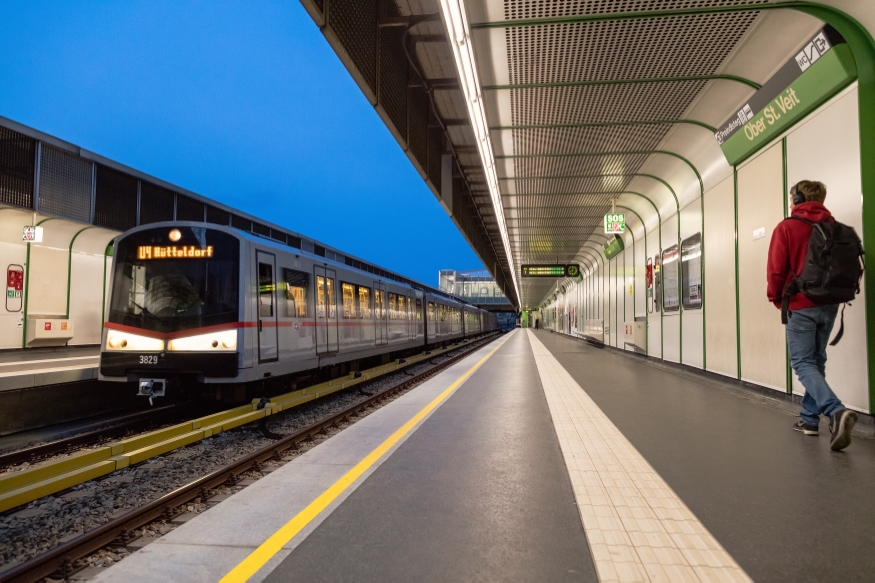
point(257, 559)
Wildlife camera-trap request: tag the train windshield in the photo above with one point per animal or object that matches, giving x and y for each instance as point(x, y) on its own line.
point(176, 278)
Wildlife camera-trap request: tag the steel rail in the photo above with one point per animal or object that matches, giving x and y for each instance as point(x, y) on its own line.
point(122, 424)
point(62, 559)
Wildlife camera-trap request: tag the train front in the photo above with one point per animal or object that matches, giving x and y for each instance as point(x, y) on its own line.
point(174, 308)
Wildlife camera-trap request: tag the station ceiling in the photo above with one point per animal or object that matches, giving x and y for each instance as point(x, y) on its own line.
point(553, 110)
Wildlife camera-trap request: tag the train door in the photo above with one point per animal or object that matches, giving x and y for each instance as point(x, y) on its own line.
point(326, 310)
point(381, 314)
point(267, 329)
point(411, 319)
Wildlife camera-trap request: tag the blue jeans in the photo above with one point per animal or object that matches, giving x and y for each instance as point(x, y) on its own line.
point(808, 333)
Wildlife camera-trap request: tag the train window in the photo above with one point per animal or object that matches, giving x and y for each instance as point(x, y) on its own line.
point(443, 312)
point(364, 294)
point(392, 314)
point(419, 310)
point(265, 290)
point(402, 313)
point(378, 304)
point(410, 308)
point(670, 296)
point(329, 287)
point(320, 296)
point(348, 292)
point(691, 272)
point(296, 284)
point(431, 317)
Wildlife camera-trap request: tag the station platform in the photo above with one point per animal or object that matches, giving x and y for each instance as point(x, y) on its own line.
point(540, 457)
point(36, 367)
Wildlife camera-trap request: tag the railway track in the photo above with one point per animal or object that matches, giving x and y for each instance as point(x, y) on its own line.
point(116, 427)
point(65, 559)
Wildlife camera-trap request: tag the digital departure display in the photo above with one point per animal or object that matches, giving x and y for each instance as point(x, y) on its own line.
point(550, 270)
point(174, 252)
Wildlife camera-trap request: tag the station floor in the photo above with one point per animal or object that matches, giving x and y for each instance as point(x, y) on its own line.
point(541, 458)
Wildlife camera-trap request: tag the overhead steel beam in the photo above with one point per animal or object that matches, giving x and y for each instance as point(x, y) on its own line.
point(436, 84)
point(428, 38)
point(635, 81)
point(605, 124)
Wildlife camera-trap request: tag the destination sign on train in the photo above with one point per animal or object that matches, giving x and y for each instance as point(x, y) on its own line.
point(173, 252)
point(550, 270)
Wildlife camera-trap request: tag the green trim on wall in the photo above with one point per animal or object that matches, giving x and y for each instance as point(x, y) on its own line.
point(70, 268)
point(607, 124)
point(590, 254)
point(737, 300)
point(634, 290)
point(27, 287)
point(108, 252)
point(597, 253)
point(638, 81)
point(659, 248)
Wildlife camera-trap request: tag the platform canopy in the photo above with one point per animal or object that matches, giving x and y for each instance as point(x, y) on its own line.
point(530, 119)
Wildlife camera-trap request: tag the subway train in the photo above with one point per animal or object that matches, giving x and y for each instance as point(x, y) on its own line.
point(236, 315)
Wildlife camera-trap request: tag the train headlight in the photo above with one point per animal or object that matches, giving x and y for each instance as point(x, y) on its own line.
point(226, 340)
point(118, 340)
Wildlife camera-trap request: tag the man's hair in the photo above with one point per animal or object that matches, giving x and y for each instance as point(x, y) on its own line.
point(812, 190)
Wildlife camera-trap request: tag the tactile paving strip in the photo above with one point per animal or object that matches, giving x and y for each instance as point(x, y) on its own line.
point(637, 527)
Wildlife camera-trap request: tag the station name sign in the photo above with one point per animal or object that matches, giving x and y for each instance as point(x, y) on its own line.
point(821, 69)
point(613, 248)
point(554, 271)
point(173, 252)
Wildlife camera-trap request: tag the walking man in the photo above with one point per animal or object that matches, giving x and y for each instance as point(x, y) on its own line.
point(810, 324)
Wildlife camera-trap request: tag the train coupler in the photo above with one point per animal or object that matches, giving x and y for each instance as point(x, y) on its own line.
point(152, 388)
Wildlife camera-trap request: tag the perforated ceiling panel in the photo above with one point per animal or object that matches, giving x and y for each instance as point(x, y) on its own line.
point(563, 178)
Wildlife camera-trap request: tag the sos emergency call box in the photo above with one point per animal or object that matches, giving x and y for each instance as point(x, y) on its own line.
point(14, 288)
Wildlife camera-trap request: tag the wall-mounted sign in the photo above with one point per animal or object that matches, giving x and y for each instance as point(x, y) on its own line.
point(614, 247)
point(173, 252)
point(821, 69)
point(14, 287)
point(615, 223)
point(32, 234)
point(550, 270)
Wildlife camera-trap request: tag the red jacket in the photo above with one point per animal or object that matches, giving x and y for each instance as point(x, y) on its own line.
point(787, 253)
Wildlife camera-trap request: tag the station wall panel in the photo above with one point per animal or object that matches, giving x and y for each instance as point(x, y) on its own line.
point(65, 184)
point(85, 297)
point(17, 161)
point(115, 203)
point(156, 203)
point(47, 281)
point(693, 321)
point(827, 148)
point(719, 242)
point(760, 206)
point(188, 209)
point(671, 321)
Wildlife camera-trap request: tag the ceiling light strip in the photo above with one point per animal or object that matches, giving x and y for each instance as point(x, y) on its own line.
point(458, 32)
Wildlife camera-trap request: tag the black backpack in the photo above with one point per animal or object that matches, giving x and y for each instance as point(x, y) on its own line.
point(833, 268)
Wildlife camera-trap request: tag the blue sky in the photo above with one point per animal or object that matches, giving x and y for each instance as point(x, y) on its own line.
point(242, 102)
